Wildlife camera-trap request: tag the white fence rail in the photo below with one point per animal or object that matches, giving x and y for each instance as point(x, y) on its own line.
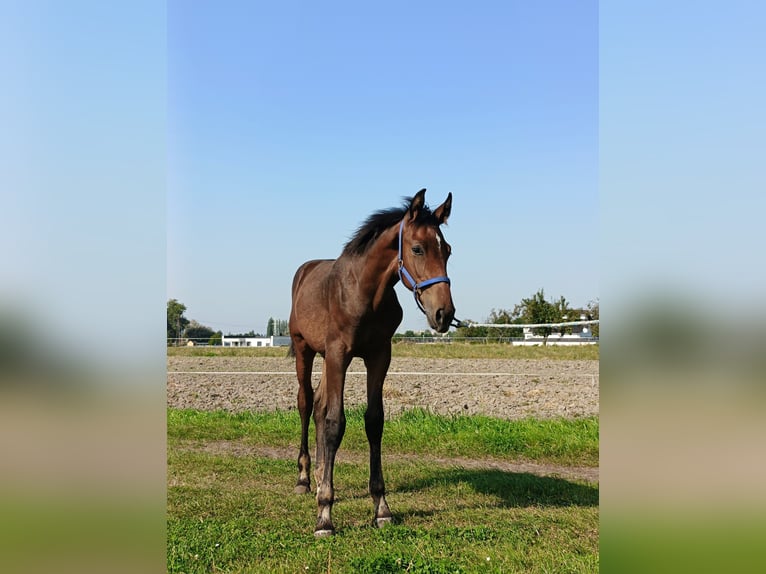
point(530, 325)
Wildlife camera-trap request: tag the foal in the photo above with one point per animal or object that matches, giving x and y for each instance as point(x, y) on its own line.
point(347, 307)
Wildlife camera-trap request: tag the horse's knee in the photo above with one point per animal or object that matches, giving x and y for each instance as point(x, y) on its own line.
point(334, 429)
point(373, 416)
point(373, 423)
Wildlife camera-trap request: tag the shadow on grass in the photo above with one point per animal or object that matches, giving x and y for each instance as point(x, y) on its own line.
point(511, 489)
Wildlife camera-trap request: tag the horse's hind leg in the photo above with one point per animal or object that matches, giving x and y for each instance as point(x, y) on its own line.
point(304, 361)
point(377, 367)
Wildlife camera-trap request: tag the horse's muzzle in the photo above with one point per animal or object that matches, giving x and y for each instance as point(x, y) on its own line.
point(441, 320)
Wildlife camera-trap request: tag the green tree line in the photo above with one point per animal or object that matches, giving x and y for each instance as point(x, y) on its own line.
point(181, 329)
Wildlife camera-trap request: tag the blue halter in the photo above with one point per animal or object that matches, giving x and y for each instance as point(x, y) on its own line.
point(416, 287)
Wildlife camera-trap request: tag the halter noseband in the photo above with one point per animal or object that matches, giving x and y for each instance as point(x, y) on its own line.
point(416, 287)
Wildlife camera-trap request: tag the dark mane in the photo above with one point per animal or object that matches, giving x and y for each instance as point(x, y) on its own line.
point(381, 220)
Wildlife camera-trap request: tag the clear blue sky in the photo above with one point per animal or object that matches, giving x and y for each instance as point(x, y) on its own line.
point(290, 122)
point(151, 153)
point(683, 153)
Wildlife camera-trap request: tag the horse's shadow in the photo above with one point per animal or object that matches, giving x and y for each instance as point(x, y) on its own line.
point(510, 489)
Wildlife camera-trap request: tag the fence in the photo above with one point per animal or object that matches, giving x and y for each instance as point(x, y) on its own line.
point(507, 340)
point(529, 340)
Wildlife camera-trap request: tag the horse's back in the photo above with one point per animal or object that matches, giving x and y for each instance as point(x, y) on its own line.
point(311, 274)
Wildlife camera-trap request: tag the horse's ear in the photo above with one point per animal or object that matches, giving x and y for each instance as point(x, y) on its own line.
point(442, 212)
point(417, 203)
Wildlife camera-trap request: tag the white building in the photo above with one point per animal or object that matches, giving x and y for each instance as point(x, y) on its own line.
point(272, 341)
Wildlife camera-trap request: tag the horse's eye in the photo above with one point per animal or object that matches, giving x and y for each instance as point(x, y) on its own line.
point(417, 250)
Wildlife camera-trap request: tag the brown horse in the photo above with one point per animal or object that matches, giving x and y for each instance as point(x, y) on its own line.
point(347, 307)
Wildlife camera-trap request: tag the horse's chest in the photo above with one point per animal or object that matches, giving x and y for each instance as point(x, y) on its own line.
point(378, 326)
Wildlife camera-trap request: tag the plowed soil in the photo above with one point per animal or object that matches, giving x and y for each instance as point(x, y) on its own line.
point(509, 389)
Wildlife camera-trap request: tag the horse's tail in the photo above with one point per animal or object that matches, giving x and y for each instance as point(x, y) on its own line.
point(291, 350)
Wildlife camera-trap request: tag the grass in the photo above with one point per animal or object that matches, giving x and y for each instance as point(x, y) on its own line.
point(571, 442)
point(455, 350)
point(230, 512)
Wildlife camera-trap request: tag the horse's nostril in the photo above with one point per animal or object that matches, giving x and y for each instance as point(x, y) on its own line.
point(439, 315)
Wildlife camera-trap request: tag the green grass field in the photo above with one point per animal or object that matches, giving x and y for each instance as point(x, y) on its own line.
point(231, 507)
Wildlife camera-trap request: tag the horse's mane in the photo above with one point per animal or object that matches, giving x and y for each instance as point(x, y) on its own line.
point(381, 220)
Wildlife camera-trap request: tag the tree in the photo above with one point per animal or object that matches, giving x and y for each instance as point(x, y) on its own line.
point(197, 332)
point(470, 331)
point(216, 340)
point(592, 314)
point(176, 320)
point(277, 328)
point(565, 313)
point(505, 317)
point(249, 335)
point(537, 310)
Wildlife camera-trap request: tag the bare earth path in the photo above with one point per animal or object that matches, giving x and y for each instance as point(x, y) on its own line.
point(509, 389)
point(240, 448)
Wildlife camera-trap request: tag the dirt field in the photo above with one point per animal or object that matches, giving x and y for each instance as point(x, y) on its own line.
point(509, 389)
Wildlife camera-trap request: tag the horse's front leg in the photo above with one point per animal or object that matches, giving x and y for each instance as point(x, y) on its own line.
point(330, 420)
point(377, 367)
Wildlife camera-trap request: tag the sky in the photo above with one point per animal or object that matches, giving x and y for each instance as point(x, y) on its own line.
point(83, 174)
point(682, 148)
point(152, 151)
point(290, 122)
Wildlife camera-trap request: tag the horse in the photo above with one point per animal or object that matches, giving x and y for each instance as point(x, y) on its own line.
point(347, 307)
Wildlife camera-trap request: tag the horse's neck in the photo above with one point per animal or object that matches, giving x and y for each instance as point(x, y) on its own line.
point(379, 268)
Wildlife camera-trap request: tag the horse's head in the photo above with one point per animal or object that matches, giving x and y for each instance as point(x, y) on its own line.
point(423, 254)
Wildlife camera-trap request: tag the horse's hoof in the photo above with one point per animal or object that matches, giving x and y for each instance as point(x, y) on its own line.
point(323, 533)
point(302, 489)
point(381, 522)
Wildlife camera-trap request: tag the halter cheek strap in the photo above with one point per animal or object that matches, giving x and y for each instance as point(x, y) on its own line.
point(416, 287)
